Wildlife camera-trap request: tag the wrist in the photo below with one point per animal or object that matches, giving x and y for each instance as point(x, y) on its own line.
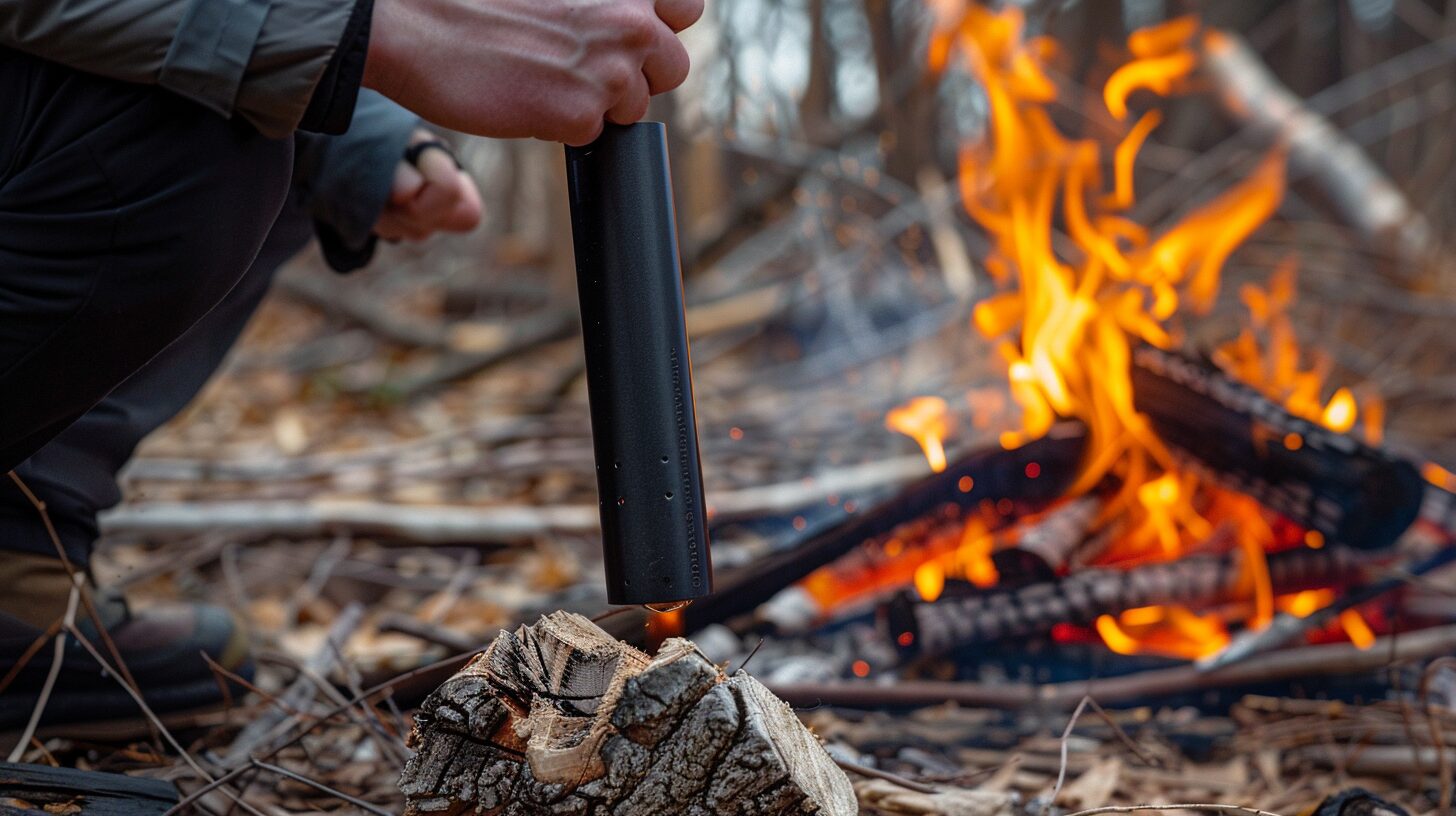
point(382, 64)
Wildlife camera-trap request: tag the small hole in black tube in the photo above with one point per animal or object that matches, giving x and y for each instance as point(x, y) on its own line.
point(664, 459)
point(667, 495)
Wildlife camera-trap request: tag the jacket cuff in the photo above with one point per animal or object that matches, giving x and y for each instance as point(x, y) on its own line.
point(332, 106)
point(338, 253)
point(209, 54)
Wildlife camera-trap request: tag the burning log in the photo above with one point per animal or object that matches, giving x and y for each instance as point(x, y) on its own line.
point(1323, 661)
point(998, 477)
point(1232, 435)
point(560, 718)
point(927, 629)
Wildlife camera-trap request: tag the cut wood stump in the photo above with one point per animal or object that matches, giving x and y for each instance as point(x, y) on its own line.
point(561, 718)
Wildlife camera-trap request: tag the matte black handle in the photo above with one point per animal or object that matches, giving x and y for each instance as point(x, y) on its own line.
point(649, 479)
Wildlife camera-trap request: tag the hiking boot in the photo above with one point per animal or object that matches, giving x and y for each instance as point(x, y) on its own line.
point(162, 647)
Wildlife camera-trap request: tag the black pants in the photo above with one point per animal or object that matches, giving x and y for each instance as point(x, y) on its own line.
point(129, 218)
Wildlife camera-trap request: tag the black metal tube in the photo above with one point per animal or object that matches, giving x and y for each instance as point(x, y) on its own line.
point(649, 479)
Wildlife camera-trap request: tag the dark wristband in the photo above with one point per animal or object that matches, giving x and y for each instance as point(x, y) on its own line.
point(413, 152)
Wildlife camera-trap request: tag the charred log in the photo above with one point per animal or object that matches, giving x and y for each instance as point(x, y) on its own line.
point(989, 478)
point(560, 718)
point(1232, 435)
point(927, 629)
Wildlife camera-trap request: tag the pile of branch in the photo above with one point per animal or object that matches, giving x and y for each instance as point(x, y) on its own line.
point(561, 718)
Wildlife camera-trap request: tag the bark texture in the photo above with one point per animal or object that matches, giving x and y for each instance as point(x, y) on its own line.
point(561, 718)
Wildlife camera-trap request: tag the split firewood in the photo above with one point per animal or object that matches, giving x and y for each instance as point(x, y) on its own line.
point(561, 718)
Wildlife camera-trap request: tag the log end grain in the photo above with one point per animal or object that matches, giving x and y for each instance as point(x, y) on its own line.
point(561, 718)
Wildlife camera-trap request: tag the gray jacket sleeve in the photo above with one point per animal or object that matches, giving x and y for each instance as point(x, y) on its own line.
point(261, 60)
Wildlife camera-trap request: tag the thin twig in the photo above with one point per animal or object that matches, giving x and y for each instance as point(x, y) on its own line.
point(1217, 808)
point(876, 773)
point(319, 786)
point(1066, 736)
point(744, 664)
point(152, 717)
point(78, 579)
point(67, 621)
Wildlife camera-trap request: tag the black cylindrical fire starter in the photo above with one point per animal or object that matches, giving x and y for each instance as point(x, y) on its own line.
point(649, 481)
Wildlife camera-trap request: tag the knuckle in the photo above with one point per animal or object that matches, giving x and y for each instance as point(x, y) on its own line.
point(616, 80)
point(637, 24)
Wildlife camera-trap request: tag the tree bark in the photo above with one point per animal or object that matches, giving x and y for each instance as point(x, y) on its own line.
point(560, 718)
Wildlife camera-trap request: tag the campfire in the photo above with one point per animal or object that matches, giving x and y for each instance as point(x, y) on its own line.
point(1213, 491)
point(1035, 481)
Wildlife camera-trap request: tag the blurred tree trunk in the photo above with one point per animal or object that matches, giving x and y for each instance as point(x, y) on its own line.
point(907, 98)
point(817, 108)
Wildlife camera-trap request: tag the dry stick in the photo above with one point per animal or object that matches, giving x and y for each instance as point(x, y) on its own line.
point(1288, 663)
point(208, 788)
point(77, 580)
point(67, 621)
point(153, 719)
point(387, 686)
point(447, 525)
point(1364, 196)
point(388, 739)
point(29, 654)
point(317, 785)
point(1217, 808)
point(1062, 770)
point(436, 525)
point(228, 674)
point(299, 692)
point(437, 635)
point(876, 773)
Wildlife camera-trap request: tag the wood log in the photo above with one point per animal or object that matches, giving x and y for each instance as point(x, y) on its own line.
point(561, 718)
point(919, 629)
point(1357, 189)
point(1232, 435)
point(983, 477)
point(42, 790)
point(1330, 660)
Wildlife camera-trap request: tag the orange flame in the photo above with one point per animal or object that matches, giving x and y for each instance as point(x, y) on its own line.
point(926, 420)
point(1082, 283)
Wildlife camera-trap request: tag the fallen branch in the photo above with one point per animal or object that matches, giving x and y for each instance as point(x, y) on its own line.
point(454, 524)
point(1355, 186)
point(519, 337)
point(1306, 661)
point(436, 525)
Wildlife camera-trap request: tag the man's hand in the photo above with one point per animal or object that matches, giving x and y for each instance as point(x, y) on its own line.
point(429, 198)
point(550, 69)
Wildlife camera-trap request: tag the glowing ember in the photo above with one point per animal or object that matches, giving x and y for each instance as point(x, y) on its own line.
point(926, 420)
point(1306, 603)
point(1357, 629)
point(930, 580)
